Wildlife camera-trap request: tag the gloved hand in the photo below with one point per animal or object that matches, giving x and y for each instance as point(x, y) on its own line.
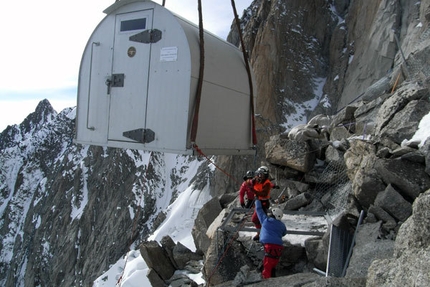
point(276, 187)
point(243, 205)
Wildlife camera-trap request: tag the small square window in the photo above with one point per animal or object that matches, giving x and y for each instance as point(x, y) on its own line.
point(134, 24)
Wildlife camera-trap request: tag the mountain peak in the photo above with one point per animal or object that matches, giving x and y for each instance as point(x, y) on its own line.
point(44, 112)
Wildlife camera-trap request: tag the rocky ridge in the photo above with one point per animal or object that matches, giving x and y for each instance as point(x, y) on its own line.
point(387, 178)
point(366, 65)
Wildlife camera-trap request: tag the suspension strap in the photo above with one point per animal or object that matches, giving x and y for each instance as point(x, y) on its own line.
point(248, 69)
point(200, 81)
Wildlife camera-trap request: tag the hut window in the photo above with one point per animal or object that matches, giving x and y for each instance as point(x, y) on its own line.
point(134, 24)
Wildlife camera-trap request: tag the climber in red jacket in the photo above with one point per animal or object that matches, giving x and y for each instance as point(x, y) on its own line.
point(246, 193)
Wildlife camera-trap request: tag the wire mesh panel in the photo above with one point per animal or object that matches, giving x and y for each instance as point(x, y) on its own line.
point(333, 187)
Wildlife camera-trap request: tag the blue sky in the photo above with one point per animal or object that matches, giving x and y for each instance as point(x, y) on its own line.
point(43, 41)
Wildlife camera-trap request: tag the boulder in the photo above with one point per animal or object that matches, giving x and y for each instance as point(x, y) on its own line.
point(182, 255)
point(409, 177)
point(339, 133)
point(316, 251)
point(291, 257)
point(298, 201)
point(404, 123)
point(414, 156)
point(425, 148)
point(333, 154)
point(306, 279)
point(290, 153)
point(397, 102)
point(388, 221)
point(168, 244)
point(154, 278)
point(157, 259)
point(365, 115)
point(366, 183)
point(368, 247)
point(415, 232)
point(180, 280)
point(354, 155)
point(289, 188)
point(204, 219)
point(402, 151)
point(393, 203)
point(226, 199)
point(319, 121)
point(410, 265)
point(246, 276)
point(316, 128)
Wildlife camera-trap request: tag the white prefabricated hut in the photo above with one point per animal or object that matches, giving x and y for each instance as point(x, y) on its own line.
point(138, 80)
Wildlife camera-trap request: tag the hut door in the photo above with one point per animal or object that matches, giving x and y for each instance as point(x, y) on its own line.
point(127, 87)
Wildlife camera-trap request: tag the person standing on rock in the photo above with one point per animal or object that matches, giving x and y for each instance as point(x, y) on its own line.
point(271, 233)
point(246, 193)
point(262, 187)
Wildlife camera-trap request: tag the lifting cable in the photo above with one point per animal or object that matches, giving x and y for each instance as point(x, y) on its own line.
point(200, 81)
point(194, 126)
point(254, 134)
point(248, 70)
point(135, 220)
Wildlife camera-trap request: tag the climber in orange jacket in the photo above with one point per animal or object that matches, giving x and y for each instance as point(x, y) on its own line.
point(262, 187)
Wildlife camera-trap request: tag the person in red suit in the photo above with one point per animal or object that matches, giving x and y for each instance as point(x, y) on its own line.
point(246, 191)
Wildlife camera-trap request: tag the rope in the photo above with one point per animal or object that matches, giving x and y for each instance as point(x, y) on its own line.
point(248, 69)
point(135, 220)
point(200, 82)
point(212, 162)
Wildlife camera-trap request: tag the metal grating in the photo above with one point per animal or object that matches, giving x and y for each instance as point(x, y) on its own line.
point(340, 243)
point(340, 249)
